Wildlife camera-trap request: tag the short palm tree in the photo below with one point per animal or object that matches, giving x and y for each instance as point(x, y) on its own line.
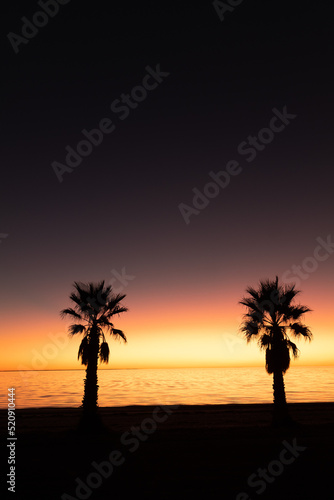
point(271, 316)
point(94, 307)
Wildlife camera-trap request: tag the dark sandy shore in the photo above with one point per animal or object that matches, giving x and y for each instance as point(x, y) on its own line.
point(209, 451)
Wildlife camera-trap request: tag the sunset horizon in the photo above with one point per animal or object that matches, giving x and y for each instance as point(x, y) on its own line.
point(203, 342)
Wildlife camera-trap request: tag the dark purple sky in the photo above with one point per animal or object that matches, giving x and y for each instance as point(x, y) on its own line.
point(120, 206)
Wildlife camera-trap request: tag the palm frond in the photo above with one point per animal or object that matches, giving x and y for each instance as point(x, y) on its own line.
point(70, 312)
point(265, 341)
point(104, 352)
point(250, 330)
point(269, 361)
point(116, 298)
point(255, 317)
point(251, 291)
point(294, 312)
point(83, 352)
point(73, 329)
point(251, 305)
point(293, 348)
point(116, 310)
point(76, 299)
point(300, 330)
point(103, 321)
point(288, 295)
point(83, 298)
point(118, 333)
point(266, 288)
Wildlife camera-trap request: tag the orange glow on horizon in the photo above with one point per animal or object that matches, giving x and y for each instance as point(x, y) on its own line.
point(199, 333)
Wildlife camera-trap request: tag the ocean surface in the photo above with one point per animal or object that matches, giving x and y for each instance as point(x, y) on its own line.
point(35, 389)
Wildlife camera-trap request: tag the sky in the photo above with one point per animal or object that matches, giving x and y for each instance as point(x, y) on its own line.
point(207, 166)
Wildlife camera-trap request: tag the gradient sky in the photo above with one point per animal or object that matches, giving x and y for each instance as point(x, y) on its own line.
point(119, 209)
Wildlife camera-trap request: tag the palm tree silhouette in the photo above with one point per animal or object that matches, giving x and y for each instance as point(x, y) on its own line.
point(94, 306)
point(270, 315)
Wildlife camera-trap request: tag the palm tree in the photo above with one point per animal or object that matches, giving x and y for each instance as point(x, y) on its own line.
point(270, 316)
point(94, 307)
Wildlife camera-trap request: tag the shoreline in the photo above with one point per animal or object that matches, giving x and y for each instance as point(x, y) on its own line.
point(183, 405)
point(214, 416)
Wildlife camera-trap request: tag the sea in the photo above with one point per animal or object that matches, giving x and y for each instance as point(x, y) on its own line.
point(64, 388)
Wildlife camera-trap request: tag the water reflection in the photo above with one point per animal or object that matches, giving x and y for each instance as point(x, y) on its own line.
point(168, 386)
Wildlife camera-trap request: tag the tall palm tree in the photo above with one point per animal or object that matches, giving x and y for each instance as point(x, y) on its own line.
point(271, 316)
point(94, 307)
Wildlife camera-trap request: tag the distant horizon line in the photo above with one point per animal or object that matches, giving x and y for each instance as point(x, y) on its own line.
point(158, 368)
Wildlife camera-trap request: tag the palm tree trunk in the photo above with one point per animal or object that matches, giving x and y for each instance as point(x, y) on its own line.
point(279, 389)
point(90, 398)
point(89, 401)
point(90, 421)
point(281, 415)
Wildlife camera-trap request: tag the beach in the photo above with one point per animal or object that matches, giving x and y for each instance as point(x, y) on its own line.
point(180, 451)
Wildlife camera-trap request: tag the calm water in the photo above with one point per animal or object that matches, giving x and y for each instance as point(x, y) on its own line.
point(167, 386)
